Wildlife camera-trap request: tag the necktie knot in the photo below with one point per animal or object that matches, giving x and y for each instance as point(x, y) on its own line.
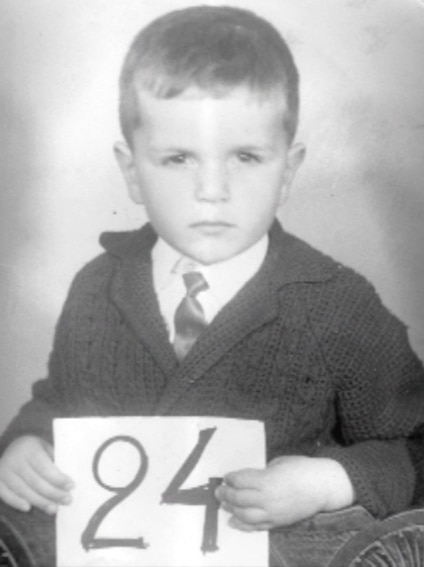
point(195, 283)
point(189, 317)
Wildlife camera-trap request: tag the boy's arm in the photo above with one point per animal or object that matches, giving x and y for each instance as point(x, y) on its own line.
point(380, 398)
point(290, 489)
point(57, 395)
point(380, 402)
point(36, 416)
point(415, 445)
point(28, 475)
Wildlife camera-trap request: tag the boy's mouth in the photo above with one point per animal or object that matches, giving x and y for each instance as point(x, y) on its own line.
point(211, 227)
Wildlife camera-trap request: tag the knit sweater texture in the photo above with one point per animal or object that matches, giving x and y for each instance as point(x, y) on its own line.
point(306, 346)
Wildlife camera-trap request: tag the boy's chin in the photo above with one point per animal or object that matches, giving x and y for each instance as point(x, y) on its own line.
point(210, 256)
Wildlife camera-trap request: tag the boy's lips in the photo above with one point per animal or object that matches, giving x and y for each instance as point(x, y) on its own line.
point(211, 227)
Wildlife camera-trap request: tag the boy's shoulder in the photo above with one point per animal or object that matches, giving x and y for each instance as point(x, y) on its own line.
point(300, 261)
point(319, 279)
point(129, 244)
point(124, 246)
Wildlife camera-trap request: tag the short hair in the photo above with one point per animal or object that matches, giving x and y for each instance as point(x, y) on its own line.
point(213, 48)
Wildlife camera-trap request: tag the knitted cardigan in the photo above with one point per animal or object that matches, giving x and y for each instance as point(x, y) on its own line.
point(306, 346)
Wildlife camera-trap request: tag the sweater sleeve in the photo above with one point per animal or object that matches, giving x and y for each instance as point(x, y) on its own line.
point(380, 398)
point(36, 416)
point(51, 396)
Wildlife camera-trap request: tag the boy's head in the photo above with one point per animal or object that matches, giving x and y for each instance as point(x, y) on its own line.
point(214, 49)
point(209, 108)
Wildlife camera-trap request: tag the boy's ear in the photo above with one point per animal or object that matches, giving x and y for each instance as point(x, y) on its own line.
point(125, 159)
point(295, 156)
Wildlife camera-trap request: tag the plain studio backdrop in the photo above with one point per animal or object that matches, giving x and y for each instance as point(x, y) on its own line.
point(359, 196)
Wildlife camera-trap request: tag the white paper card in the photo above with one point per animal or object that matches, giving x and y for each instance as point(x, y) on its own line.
point(143, 494)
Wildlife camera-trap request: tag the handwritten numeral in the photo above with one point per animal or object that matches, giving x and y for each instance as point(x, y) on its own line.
point(200, 495)
point(88, 538)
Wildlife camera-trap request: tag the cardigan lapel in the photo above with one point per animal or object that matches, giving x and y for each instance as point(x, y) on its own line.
point(133, 293)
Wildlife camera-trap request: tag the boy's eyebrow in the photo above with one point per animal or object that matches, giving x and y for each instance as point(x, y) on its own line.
point(169, 150)
point(256, 147)
point(266, 147)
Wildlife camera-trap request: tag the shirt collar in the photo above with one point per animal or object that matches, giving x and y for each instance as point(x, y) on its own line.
point(224, 278)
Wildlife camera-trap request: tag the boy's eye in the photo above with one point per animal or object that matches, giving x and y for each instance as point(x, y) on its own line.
point(177, 159)
point(248, 157)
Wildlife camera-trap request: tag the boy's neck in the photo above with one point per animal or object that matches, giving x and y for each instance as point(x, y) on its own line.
point(165, 251)
point(239, 268)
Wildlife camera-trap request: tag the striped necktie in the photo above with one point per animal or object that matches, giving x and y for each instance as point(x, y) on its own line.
point(189, 319)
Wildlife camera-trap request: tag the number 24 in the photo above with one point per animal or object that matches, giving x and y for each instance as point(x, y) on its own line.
point(199, 496)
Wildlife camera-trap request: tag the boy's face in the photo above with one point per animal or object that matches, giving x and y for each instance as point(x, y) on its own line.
point(211, 172)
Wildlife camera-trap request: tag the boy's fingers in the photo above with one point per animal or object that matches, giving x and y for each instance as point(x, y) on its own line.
point(236, 497)
point(239, 525)
point(44, 488)
point(44, 467)
point(250, 516)
point(25, 492)
point(14, 500)
point(245, 478)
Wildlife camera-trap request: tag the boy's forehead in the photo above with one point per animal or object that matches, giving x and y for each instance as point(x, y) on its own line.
point(196, 103)
point(209, 124)
point(196, 93)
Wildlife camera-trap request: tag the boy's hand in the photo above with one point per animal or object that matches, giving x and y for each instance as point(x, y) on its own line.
point(28, 476)
point(288, 490)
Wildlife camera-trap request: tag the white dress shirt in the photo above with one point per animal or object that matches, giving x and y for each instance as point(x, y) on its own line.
point(225, 279)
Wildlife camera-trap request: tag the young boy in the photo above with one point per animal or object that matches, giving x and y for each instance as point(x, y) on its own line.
point(268, 328)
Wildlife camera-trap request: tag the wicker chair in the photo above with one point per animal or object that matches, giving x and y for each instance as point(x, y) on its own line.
point(13, 550)
point(397, 541)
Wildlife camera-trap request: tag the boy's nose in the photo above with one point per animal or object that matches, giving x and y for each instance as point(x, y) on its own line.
point(212, 184)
